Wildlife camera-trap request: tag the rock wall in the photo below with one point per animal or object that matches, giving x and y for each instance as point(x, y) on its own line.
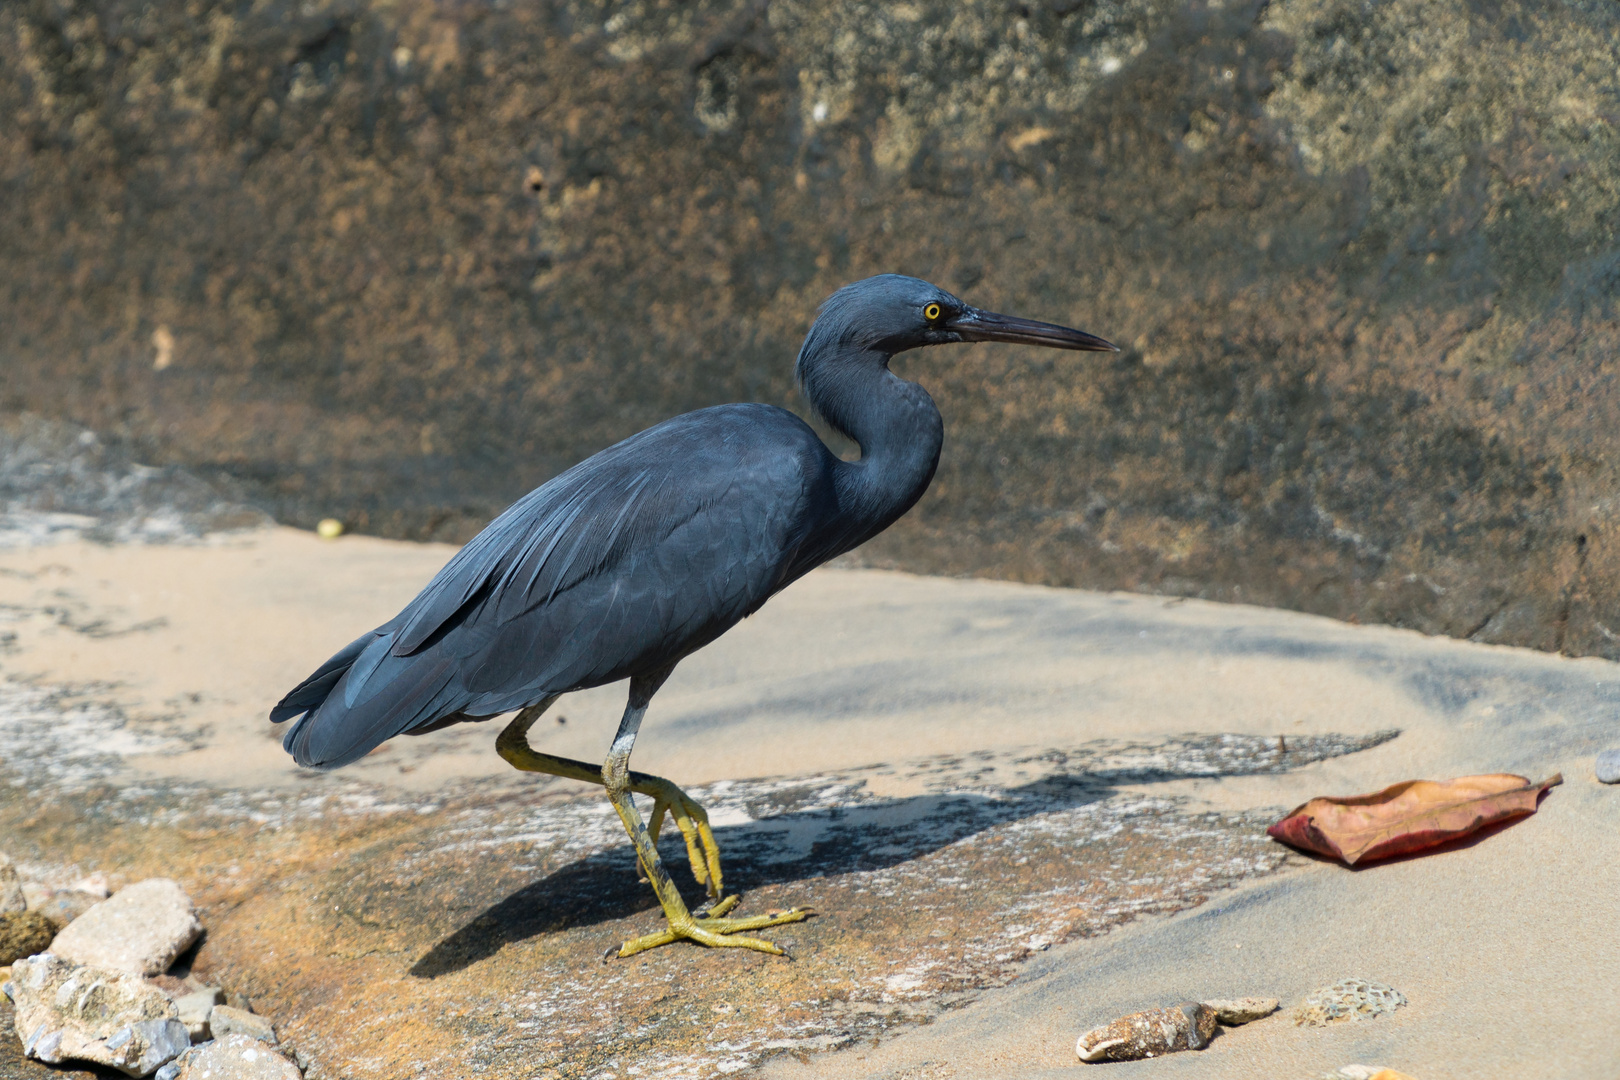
point(397, 261)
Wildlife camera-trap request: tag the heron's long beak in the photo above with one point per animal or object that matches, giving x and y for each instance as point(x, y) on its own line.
point(975, 325)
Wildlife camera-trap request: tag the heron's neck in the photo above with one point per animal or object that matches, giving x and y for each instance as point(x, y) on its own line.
point(897, 426)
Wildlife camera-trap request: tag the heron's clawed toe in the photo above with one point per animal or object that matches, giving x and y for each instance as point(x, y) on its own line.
point(701, 849)
point(724, 907)
point(714, 929)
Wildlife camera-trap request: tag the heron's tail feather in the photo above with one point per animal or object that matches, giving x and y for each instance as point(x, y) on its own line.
point(361, 698)
point(312, 691)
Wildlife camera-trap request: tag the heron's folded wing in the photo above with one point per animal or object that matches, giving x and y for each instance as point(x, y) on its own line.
point(634, 558)
point(696, 513)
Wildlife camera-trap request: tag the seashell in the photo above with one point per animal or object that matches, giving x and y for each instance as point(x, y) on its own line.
point(1187, 1026)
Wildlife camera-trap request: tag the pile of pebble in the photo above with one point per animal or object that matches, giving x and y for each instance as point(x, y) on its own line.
point(89, 974)
point(1190, 1025)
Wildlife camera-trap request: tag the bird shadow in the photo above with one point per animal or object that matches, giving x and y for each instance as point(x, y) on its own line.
point(786, 845)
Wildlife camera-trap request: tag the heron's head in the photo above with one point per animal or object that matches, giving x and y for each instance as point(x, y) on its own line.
point(891, 313)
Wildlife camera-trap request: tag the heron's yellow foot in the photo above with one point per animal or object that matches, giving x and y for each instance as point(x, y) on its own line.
point(713, 928)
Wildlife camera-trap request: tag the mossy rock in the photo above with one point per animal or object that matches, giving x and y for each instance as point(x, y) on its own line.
point(24, 933)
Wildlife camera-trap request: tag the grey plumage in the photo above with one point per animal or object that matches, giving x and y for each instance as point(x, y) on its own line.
point(651, 549)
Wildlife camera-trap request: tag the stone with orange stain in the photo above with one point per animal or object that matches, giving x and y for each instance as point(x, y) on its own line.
point(389, 934)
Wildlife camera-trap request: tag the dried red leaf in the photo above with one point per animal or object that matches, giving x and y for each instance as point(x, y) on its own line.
point(1408, 816)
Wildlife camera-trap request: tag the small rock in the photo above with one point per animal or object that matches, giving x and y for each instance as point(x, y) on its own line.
point(1235, 1011)
point(175, 986)
point(228, 1021)
point(11, 891)
point(1608, 766)
point(141, 929)
point(1364, 1072)
point(234, 1057)
point(1347, 1000)
point(62, 906)
point(110, 1017)
point(194, 1011)
point(23, 933)
point(1188, 1026)
point(95, 885)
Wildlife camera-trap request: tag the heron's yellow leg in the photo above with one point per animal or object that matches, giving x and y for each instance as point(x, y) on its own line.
point(709, 928)
point(689, 817)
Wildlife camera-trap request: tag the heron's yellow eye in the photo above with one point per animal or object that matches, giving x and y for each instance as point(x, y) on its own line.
point(931, 312)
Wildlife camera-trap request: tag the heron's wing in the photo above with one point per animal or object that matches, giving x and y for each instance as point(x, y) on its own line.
point(634, 557)
point(706, 503)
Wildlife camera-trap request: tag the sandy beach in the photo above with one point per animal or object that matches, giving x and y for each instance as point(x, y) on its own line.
point(844, 669)
point(919, 688)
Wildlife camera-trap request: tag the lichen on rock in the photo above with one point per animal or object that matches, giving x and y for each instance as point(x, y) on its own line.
point(24, 933)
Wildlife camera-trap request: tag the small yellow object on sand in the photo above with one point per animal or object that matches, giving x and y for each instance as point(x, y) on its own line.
point(329, 529)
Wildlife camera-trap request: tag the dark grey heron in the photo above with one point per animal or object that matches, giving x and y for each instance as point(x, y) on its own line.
point(644, 553)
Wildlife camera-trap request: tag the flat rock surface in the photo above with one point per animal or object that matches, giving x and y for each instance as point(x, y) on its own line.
point(225, 1020)
point(991, 794)
point(62, 906)
point(141, 929)
point(236, 1057)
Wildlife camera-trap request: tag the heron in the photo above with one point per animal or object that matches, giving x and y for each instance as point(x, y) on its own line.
point(626, 563)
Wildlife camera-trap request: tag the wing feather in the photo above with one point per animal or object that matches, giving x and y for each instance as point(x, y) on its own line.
point(629, 560)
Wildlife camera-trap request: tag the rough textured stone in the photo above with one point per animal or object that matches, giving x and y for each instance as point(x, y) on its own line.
point(1347, 1000)
point(80, 1012)
point(232, 1057)
point(1234, 1011)
point(95, 885)
point(481, 912)
point(24, 933)
point(195, 1010)
point(59, 481)
point(141, 929)
point(1188, 1026)
point(396, 262)
point(62, 906)
point(1607, 767)
point(35, 893)
point(11, 890)
point(226, 1020)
